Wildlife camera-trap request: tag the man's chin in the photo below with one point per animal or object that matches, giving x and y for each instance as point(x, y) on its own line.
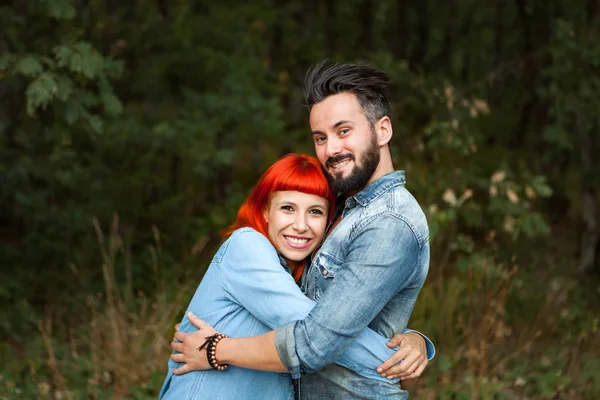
point(340, 175)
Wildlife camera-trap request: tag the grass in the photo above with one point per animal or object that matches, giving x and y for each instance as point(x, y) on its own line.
point(501, 332)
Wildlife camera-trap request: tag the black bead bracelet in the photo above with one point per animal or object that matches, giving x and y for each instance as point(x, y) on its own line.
point(211, 349)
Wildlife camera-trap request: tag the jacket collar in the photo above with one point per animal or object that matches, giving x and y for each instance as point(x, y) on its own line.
point(377, 188)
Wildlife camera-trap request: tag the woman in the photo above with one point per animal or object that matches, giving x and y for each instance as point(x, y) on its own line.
point(250, 286)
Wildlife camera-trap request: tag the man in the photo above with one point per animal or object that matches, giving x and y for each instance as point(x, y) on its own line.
point(370, 268)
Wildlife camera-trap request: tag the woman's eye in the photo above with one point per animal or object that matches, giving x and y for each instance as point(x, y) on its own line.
point(317, 212)
point(287, 208)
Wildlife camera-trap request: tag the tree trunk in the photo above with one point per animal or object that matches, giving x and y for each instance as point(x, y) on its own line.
point(366, 17)
point(589, 234)
point(499, 32)
point(398, 36)
point(328, 34)
point(419, 51)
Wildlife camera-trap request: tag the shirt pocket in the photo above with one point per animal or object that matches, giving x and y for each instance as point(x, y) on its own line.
point(327, 266)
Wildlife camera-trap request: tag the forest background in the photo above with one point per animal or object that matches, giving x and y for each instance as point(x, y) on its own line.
point(131, 132)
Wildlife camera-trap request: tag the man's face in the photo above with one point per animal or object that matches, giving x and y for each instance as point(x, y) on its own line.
point(345, 142)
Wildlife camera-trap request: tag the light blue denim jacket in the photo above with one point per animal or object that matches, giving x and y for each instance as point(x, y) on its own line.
point(246, 292)
point(368, 273)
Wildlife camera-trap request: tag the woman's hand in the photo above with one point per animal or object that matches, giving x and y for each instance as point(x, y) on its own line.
point(186, 346)
point(409, 361)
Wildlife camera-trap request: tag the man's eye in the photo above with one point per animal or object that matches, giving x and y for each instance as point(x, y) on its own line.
point(344, 131)
point(319, 139)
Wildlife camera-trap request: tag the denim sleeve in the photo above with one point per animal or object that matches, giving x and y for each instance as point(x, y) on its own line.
point(383, 259)
point(252, 276)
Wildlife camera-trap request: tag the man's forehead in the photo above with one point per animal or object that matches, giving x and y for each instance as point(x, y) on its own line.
point(343, 107)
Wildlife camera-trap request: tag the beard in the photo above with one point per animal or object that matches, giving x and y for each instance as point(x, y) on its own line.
point(360, 174)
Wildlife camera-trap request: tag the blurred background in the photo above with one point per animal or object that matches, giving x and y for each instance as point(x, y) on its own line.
point(131, 132)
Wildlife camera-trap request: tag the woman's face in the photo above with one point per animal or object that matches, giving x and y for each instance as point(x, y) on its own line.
point(296, 224)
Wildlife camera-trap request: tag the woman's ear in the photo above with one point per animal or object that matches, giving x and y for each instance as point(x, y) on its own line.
point(266, 214)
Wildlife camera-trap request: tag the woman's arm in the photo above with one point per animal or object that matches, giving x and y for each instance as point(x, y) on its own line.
point(252, 276)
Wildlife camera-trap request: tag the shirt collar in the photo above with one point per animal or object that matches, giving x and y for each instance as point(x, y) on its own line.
point(283, 263)
point(377, 188)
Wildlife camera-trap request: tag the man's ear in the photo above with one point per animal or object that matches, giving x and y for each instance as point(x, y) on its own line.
point(383, 129)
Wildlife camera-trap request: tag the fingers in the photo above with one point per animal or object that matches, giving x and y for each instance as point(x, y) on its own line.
point(413, 370)
point(198, 323)
point(406, 363)
point(418, 372)
point(179, 358)
point(177, 346)
point(402, 370)
point(393, 360)
point(177, 327)
point(181, 370)
point(181, 336)
point(395, 340)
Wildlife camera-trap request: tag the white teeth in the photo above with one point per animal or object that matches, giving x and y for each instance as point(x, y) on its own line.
point(296, 240)
point(340, 164)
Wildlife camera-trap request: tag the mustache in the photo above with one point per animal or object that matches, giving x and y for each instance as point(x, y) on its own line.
point(338, 158)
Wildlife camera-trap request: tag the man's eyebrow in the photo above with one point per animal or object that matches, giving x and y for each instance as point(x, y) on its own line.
point(342, 122)
point(336, 125)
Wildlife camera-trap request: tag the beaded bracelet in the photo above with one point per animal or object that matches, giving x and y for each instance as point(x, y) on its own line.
point(211, 348)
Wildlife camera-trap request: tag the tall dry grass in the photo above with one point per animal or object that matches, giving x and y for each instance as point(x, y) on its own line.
point(125, 336)
point(484, 353)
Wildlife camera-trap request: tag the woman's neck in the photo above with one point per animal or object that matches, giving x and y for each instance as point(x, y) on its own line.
point(296, 268)
point(292, 265)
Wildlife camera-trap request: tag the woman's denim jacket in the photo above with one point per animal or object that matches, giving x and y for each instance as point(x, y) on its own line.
point(246, 292)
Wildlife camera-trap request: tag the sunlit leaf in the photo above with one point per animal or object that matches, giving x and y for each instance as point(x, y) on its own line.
point(498, 176)
point(40, 92)
point(29, 66)
point(512, 196)
point(60, 9)
point(449, 197)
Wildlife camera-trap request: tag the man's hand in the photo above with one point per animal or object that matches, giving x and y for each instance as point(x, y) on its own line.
point(409, 361)
point(186, 345)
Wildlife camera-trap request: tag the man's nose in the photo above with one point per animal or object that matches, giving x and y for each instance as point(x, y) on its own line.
point(334, 146)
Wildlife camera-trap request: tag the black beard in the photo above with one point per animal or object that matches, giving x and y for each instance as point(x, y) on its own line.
point(360, 174)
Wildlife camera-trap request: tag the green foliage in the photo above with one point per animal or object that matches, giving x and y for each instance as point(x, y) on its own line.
point(166, 113)
point(59, 9)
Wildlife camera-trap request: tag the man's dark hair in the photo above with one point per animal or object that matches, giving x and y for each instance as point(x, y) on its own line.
point(370, 86)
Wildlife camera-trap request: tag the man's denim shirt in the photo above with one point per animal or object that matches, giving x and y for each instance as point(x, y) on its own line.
point(368, 272)
point(247, 291)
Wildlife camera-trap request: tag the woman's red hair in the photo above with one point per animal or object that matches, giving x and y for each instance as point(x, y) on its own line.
point(297, 172)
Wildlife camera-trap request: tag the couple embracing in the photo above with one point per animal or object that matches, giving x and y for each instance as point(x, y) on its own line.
point(322, 267)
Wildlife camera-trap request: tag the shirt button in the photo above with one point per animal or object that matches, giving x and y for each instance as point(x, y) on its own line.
point(324, 272)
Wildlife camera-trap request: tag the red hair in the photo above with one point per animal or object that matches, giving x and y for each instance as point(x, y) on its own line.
point(297, 172)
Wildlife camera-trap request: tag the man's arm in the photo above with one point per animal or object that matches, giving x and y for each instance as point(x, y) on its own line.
point(382, 260)
point(260, 352)
point(348, 291)
point(252, 277)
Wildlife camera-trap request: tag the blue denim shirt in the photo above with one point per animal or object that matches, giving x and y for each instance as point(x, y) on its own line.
point(246, 292)
point(368, 273)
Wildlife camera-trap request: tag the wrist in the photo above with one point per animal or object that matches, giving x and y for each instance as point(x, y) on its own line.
point(223, 351)
point(211, 344)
